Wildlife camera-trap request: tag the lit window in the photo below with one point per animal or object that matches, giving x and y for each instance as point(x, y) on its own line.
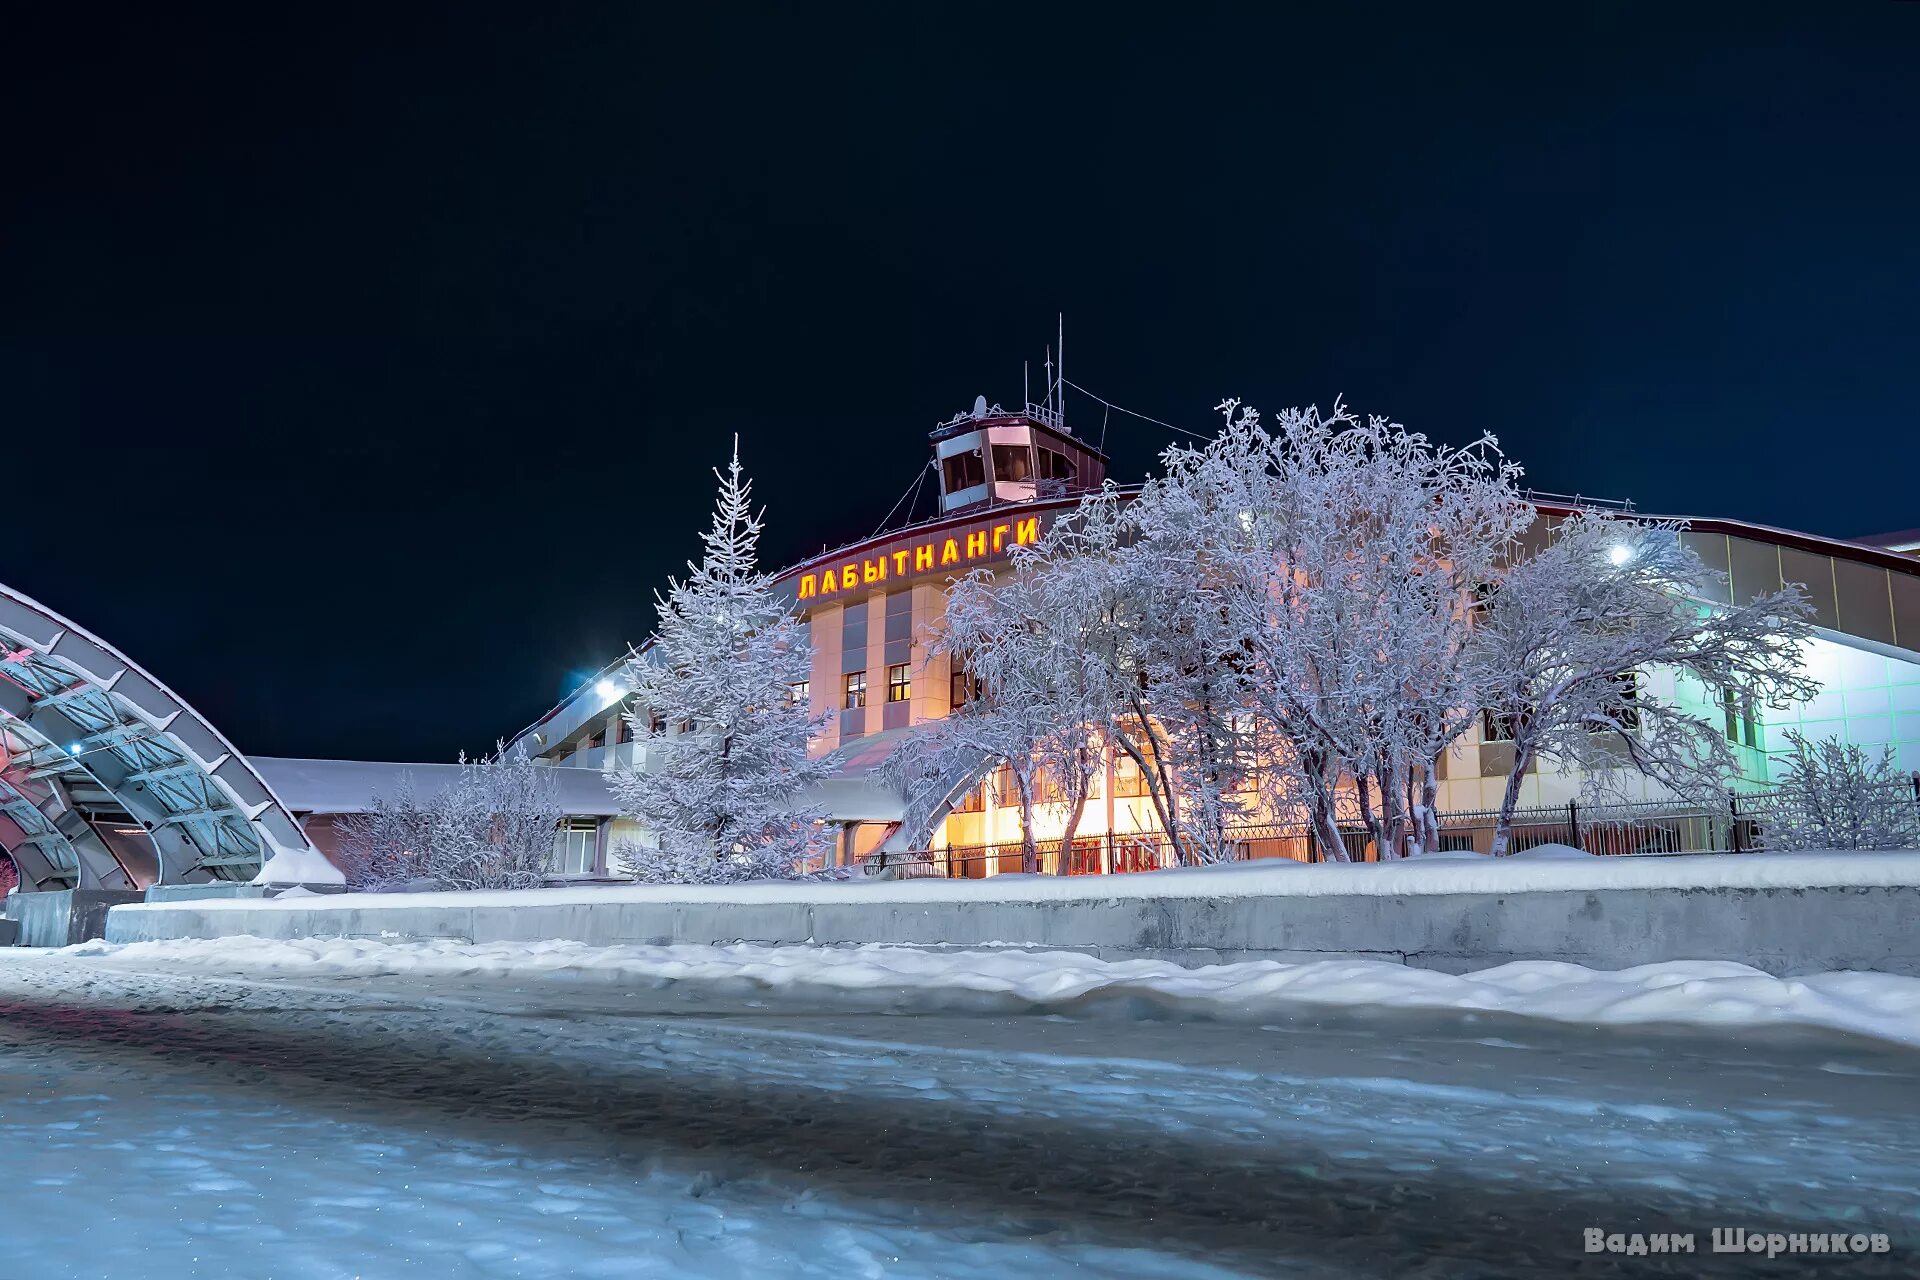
point(856, 686)
point(798, 692)
point(965, 685)
point(1012, 462)
point(899, 683)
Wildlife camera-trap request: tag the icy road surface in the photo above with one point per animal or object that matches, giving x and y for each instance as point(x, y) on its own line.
point(160, 1122)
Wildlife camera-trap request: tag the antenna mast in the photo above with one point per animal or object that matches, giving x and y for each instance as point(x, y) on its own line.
point(1061, 408)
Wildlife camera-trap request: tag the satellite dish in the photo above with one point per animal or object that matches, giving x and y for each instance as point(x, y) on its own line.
point(979, 406)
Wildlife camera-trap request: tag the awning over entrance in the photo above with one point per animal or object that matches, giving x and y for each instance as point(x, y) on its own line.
point(108, 778)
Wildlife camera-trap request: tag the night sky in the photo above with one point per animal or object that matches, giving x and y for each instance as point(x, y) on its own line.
point(360, 367)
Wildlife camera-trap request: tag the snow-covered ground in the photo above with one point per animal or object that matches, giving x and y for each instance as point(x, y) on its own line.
point(1694, 992)
point(1434, 874)
point(173, 1115)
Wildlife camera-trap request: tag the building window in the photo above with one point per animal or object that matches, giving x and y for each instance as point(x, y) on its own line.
point(899, 683)
point(856, 686)
point(965, 685)
point(1012, 462)
point(1127, 780)
point(1498, 726)
point(964, 471)
point(656, 726)
point(1625, 706)
point(1743, 719)
point(574, 846)
point(597, 741)
point(624, 731)
point(798, 692)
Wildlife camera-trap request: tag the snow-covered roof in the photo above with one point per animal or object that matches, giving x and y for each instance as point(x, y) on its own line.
point(853, 794)
point(348, 786)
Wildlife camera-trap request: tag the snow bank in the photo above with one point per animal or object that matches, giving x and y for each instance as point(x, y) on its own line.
point(288, 865)
point(1411, 877)
point(1698, 992)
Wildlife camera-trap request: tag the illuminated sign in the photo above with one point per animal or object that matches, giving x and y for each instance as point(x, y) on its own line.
point(930, 555)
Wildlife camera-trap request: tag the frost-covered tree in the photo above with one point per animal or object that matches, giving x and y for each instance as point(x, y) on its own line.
point(1833, 795)
point(389, 845)
point(1566, 633)
point(1178, 664)
point(722, 787)
point(1342, 552)
point(1018, 640)
point(492, 827)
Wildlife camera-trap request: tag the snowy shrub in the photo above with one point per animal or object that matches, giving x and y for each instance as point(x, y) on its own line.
point(389, 845)
point(493, 828)
point(1833, 795)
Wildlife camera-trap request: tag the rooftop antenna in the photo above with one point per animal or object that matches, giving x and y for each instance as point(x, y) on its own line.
point(1049, 367)
point(1061, 408)
point(1026, 396)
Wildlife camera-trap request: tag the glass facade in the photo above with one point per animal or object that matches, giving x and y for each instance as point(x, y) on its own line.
point(1865, 698)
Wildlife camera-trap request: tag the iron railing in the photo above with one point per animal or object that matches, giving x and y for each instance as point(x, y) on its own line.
point(1651, 828)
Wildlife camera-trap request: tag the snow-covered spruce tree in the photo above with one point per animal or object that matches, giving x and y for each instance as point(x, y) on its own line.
point(722, 785)
point(1833, 795)
point(1562, 640)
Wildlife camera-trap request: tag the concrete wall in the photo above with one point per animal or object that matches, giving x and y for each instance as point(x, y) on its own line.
point(1783, 931)
point(63, 917)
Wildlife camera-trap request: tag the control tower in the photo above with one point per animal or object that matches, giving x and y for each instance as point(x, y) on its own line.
point(994, 456)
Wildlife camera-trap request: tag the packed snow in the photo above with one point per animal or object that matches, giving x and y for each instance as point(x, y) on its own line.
point(1431, 874)
point(1697, 993)
point(166, 1121)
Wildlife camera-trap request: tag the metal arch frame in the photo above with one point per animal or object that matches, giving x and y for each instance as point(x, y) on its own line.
point(85, 734)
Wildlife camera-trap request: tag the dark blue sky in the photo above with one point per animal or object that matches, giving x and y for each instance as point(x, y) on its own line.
point(360, 366)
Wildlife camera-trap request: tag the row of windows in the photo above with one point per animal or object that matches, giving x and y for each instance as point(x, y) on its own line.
point(1500, 727)
point(1012, 463)
point(854, 686)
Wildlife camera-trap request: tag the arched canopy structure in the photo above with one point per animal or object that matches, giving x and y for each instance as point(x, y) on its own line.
point(108, 779)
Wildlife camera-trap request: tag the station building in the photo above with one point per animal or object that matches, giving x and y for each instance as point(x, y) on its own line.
point(110, 780)
point(1003, 477)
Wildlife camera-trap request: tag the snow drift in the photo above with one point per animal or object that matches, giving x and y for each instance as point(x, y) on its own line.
point(1698, 993)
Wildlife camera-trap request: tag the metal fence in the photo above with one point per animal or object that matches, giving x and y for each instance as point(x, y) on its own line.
point(1647, 828)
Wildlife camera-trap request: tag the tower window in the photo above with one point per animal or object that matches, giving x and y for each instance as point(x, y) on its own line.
point(856, 688)
point(899, 683)
point(1012, 462)
point(964, 471)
